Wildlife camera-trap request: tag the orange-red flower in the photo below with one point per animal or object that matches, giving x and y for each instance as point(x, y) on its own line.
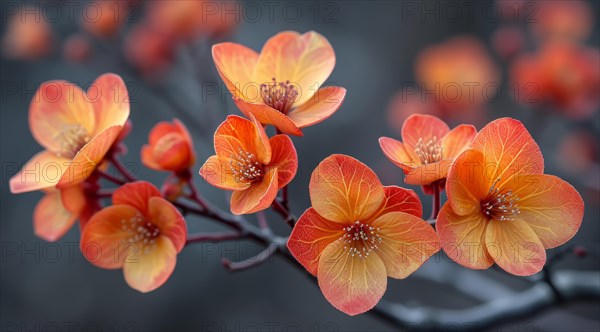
point(501, 207)
point(282, 85)
point(567, 20)
point(170, 148)
point(428, 148)
point(76, 128)
point(28, 36)
point(250, 164)
point(358, 233)
point(141, 233)
point(103, 18)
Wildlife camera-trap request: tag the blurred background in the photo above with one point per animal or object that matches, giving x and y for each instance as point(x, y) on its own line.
point(537, 61)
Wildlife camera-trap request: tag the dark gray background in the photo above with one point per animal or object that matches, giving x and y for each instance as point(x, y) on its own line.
point(45, 286)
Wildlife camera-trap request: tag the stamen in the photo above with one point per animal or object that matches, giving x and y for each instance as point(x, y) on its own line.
point(142, 233)
point(431, 151)
point(500, 204)
point(72, 138)
point(245, 167)
point(281, 96)
point(360, 240)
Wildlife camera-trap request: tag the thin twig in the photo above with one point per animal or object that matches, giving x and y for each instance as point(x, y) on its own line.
point(121, 168)
point(435, 202)
point(262, 257)
point(289, 218)
point(213, 237)
point(110, 177)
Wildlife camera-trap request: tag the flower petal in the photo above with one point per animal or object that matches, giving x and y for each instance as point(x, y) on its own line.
point(146, 272)
point(305, 60)
point(458, 140)
point(406, 243)
point(237, 133)
point(463, 238)
point(468, 182)
point(284, 157)
point(268, 115)
point(428, 173)
point(168, 219)
point(351, 284)
point(235, 64)
point(509, 150)
point(310, 236)
point(104, 242)
point(398, 153)
point(515, 247)
point(89, 157)
point(399, 199)
point(218, 173)
point(258, 196)
point(73, 199)
point(43, 170)
point(319, 107)
point(550, 206)
point(136, 194)
point(56, 106)
point(422, 126)
point(50, 218)
point(110, 99)
point(343, 189)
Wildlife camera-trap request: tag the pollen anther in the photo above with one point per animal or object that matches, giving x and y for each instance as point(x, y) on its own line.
point(279, 95)
point(429, 152)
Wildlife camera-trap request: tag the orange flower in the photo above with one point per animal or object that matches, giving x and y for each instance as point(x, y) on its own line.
point(250, 164)
point(149, 50)
point(501, 207)
point(76, 128)
point(103, 18)
point(170, 148)
point(28, 36)
point(141, 233)
point(568, 20)
point(358, 233)
point(282, 85)
point(429, 148)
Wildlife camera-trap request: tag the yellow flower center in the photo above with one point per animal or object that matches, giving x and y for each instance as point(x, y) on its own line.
point(429, 152)
point(279, 95)
point(142, 233)
point(72, 138)
point(245, 167)
point(360, 239)
point(500, 204)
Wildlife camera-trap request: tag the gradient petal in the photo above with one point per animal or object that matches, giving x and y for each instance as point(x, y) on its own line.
point(237, 133)
point(399, 199)
point(146, 272)
point(50, 218)
point(168, 219)
point(44, 170)
point(428, 173)
point(136, 194)
point(283, 157)
point(343, 189)
point(463, 238)
point(258, 196)
point(218, 173)
point(515, 247)
point(73, 199)
point(351, 284)
point(310, 236)
point(399, 154)
point(268, 115)
point(422, 126)
point(305, 60)
point(319, 107)
point(235, 64)
point(406, 243)
point(458, 140)
point(468, 182)
point(110, 99)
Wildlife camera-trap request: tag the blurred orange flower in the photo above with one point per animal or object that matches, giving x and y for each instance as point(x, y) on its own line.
point(149, 50)
point(76, 128)
point(250, 164)
point(428, 148)
point(358, 232)
point(282, 85)
point(77, 48)
point(567, 20)
point(501, 207)
point(28, 36)
point(460, 73)
point(103, 18)
point(170, 148)
point(141, 233)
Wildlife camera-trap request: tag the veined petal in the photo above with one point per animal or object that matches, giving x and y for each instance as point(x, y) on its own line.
point(515, 247)
point(136, 194)
point(351, 284)
point(235, 64)
point(218, 173)
point(104, 242)
point(89, 157)
point(284, 157)
point(237, 133)
point(319, 107)
point(305, 60)
point(422, 126)
point(258, 196)
point(73, 199)
point(310, 236)
point(146, 271)
point(463, 238)
point(458, 140)
point(509, 150)
point(469, 180)
point(343, 189)
point(59, 107)
point(168, 219)
point(44, 170)
point(550, 206)
point(399, 199)
point(397, 153)
point(268, 115)
point(50, 218)
point(406, 243)
point(428, 173)
point(110, 99)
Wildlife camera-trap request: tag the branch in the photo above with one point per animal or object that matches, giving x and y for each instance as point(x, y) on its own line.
point(213, 237)
point(262, 257)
